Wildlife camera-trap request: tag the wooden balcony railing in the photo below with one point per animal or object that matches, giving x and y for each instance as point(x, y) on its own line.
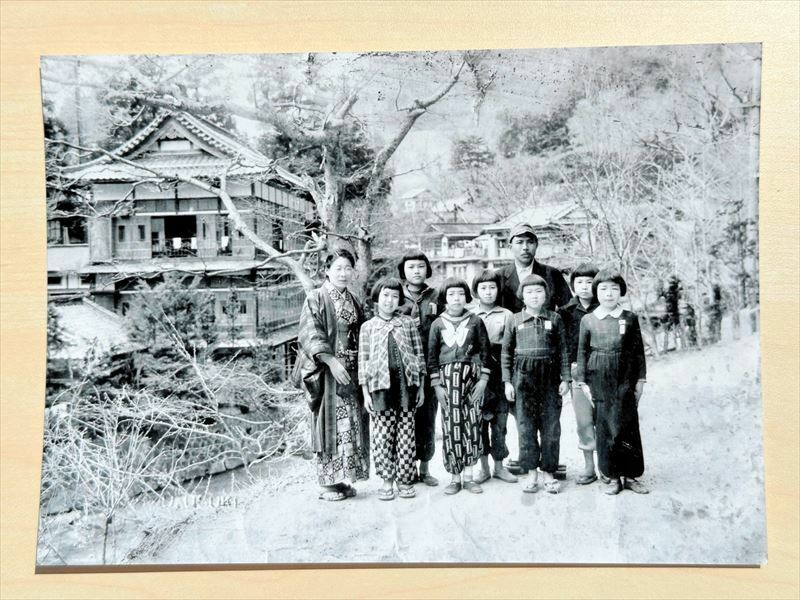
point(176, 247)
point(279, 307)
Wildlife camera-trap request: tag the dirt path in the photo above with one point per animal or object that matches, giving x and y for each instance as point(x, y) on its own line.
point(701, 427)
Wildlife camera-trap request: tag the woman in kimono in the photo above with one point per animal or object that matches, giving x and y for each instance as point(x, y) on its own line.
point(328, 343)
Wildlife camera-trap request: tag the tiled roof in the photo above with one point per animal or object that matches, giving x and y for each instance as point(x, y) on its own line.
point(89, 327)
point(537, 216)
point(197, 165)
point(457, 228)
point(413, 193)
point(218, 137)
point(192, 264)
point(223, 144)
point(272, 339)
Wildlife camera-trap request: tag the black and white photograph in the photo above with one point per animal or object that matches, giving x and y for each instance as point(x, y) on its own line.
point(403, 307)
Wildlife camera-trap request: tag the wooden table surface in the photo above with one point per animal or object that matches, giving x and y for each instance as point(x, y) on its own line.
point(31, 29)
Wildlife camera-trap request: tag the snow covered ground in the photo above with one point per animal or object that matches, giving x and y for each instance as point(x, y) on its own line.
point(701, 429)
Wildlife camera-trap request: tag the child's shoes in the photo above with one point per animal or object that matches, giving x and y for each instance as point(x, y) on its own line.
point(386, 494)
point(613, 487)
point(452, 488)
point(552, 487)
point(636, 486)
point(480, 476)
point(531, 488)
point(473, 486)
point(504, 474)
point(406, 491)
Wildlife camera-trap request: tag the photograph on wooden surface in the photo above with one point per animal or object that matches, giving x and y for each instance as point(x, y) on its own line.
point(489, 306)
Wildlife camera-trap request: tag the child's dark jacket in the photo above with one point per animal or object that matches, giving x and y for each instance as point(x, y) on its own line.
point(572, 314)
point(458, 340)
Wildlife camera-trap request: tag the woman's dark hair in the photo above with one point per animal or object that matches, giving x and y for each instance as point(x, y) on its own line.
point(401, 266)
point(340, 253)
point(609, 275)
point(582, 270)
point(486, 276)
point(388, 283)
point(454, 282)
point(532, 280)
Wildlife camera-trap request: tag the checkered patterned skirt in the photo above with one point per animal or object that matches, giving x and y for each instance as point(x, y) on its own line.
point(351, 460)
point(460, 420)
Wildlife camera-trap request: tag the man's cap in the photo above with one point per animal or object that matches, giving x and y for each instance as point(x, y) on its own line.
point(521, 229)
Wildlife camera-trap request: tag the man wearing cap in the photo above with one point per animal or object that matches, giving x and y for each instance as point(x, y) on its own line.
point(523, 242)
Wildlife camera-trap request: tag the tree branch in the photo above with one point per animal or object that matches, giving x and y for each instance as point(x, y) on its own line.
point(413, 113)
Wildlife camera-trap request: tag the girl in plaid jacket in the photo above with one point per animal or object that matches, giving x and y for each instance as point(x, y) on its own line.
point(391, 371)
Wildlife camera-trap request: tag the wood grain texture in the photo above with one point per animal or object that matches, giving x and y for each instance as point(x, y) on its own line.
point(32, 29)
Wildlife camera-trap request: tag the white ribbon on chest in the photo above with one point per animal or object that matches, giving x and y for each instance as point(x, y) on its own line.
point(454, 335)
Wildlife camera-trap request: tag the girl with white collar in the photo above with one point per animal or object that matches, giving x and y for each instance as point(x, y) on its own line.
point(611, 362)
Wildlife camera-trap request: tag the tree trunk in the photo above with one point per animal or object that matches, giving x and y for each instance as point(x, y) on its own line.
point(363, 268)
point(106, 530)
point(646, 315)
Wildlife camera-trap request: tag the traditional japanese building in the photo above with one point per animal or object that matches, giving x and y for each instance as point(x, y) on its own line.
point(141, 226)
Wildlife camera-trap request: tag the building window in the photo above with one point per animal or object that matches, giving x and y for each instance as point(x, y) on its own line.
point(87, 280)
point(120, 233)
point(142, 232)
point(277, 235)
point(187, 205)
point(54, 232)
point(207, 204)
point(205, 230)
point(67, 230)
point(175, 146)
point(75, 230)
point(242, 308)
point(54, 279)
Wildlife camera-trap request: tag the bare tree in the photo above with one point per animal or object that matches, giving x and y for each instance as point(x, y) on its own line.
point(313, 116)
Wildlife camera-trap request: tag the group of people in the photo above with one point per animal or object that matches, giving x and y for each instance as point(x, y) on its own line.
point(375, 386)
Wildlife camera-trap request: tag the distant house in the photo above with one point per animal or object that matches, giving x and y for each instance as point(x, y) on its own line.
point(459, 249)
point(423, 202)
point(453, 250)
point(89, 332)
point(562, 229)
point(140, 229)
